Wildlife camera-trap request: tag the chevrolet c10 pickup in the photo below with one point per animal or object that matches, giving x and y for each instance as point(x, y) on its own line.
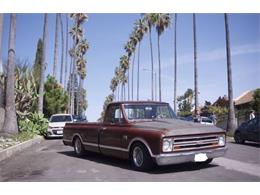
point(146, 133)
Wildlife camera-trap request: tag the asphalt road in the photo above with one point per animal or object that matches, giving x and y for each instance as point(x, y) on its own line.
point(52, 161)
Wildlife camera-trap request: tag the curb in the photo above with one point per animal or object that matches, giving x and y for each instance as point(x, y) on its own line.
point(8, 152)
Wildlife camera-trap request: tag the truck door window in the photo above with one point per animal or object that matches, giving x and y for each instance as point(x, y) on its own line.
point(114, 115)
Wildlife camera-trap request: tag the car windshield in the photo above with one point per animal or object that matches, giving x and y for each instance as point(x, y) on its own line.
point(148, 111)
point(206, 120)
point(60, 118)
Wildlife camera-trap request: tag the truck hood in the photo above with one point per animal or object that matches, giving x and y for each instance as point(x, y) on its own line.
point(173, 127)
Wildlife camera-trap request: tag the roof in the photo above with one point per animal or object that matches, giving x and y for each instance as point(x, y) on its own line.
point(244, 98)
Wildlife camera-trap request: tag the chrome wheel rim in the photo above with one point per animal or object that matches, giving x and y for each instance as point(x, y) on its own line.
point(77, 146)
point(138, 156)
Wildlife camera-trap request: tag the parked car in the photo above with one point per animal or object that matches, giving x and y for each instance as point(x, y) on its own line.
point(79, 118)
point(147, 133)
point(57, 123)
point(248, 131)
point(206, 121)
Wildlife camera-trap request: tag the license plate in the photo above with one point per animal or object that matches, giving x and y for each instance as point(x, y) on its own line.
point(59, 132)
point(200, 157)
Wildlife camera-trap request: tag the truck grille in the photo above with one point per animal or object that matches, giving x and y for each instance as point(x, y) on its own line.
point(195, 142)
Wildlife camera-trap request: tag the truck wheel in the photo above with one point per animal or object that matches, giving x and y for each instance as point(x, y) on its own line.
point(140, 157)
point(238, 138)
point(78, 147)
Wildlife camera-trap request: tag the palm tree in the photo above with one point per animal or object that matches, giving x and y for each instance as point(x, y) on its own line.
point(10, 124)
point(56, 41)
point(117, 76)
point(141, 29)
point(62, 48)
point(80, 47)
point(162, 22)
point(43, 66)
point(151, 19)
point(231, 125)
point(113, 85)
point(130, 50)
point(195, 65)
point(175, 63)
point(124, 65)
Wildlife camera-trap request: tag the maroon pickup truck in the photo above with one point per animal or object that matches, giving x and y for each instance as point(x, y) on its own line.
point(147, 133)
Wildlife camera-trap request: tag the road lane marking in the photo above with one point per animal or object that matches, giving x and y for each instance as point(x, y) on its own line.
point(236, 165)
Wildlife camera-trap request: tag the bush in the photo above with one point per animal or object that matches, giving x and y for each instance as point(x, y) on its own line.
point(56, 99)
point(35, 124)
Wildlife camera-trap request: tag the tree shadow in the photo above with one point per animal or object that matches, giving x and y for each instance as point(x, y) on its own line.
point(125, 164)
point(247, 143)
point(101, 159)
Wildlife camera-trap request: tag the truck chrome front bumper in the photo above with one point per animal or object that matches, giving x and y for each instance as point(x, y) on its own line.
point(182, 157)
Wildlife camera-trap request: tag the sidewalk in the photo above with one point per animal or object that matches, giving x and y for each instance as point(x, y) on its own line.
point(8, 152)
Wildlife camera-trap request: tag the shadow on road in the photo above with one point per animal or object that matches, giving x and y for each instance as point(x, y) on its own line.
point(247, 143)
point(125, 164)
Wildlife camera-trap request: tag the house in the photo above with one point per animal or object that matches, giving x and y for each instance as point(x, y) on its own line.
point(243, 101)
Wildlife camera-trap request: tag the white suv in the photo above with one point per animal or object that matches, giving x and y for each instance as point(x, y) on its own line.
point(57, 123)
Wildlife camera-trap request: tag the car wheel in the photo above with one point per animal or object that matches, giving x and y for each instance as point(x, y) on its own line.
point(78, 147)
point(238, 138)
point(140, 157)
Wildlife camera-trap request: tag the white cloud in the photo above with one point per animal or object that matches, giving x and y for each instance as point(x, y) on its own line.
point(215, 54)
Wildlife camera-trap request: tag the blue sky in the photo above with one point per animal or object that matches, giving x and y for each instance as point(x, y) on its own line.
point(107, 34)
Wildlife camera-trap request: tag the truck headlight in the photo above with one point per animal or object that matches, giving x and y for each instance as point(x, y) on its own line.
point(167, 145)
point(221, 140)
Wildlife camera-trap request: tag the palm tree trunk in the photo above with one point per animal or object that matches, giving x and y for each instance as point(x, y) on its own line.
point(175, 64)
point(66, 50)
point(151, 48)
point(159, 60)
point(133, 63)
point(72, 99)
point(195, 66)
point(118, 92)
point(231, 125)
point(1, 38)
point(62, 49)
point(43, 65)
point(138, 71)
point(79, 99)
point(1, 62)
point(122, 91)
point(10, 124)
point(128, 84)
point(55, 47)
point(70, 82)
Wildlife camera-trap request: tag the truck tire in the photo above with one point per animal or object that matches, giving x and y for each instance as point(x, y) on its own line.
point(78, 147)
point(140, 158)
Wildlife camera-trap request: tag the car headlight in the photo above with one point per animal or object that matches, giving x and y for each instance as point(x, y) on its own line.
point(49, 127)
point(167, 145)
point(221, 140)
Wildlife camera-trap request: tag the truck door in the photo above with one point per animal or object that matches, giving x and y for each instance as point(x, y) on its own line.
point(111, 133)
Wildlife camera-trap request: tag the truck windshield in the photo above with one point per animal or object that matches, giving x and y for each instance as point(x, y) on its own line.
point(60, 118)
point(148, 111)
